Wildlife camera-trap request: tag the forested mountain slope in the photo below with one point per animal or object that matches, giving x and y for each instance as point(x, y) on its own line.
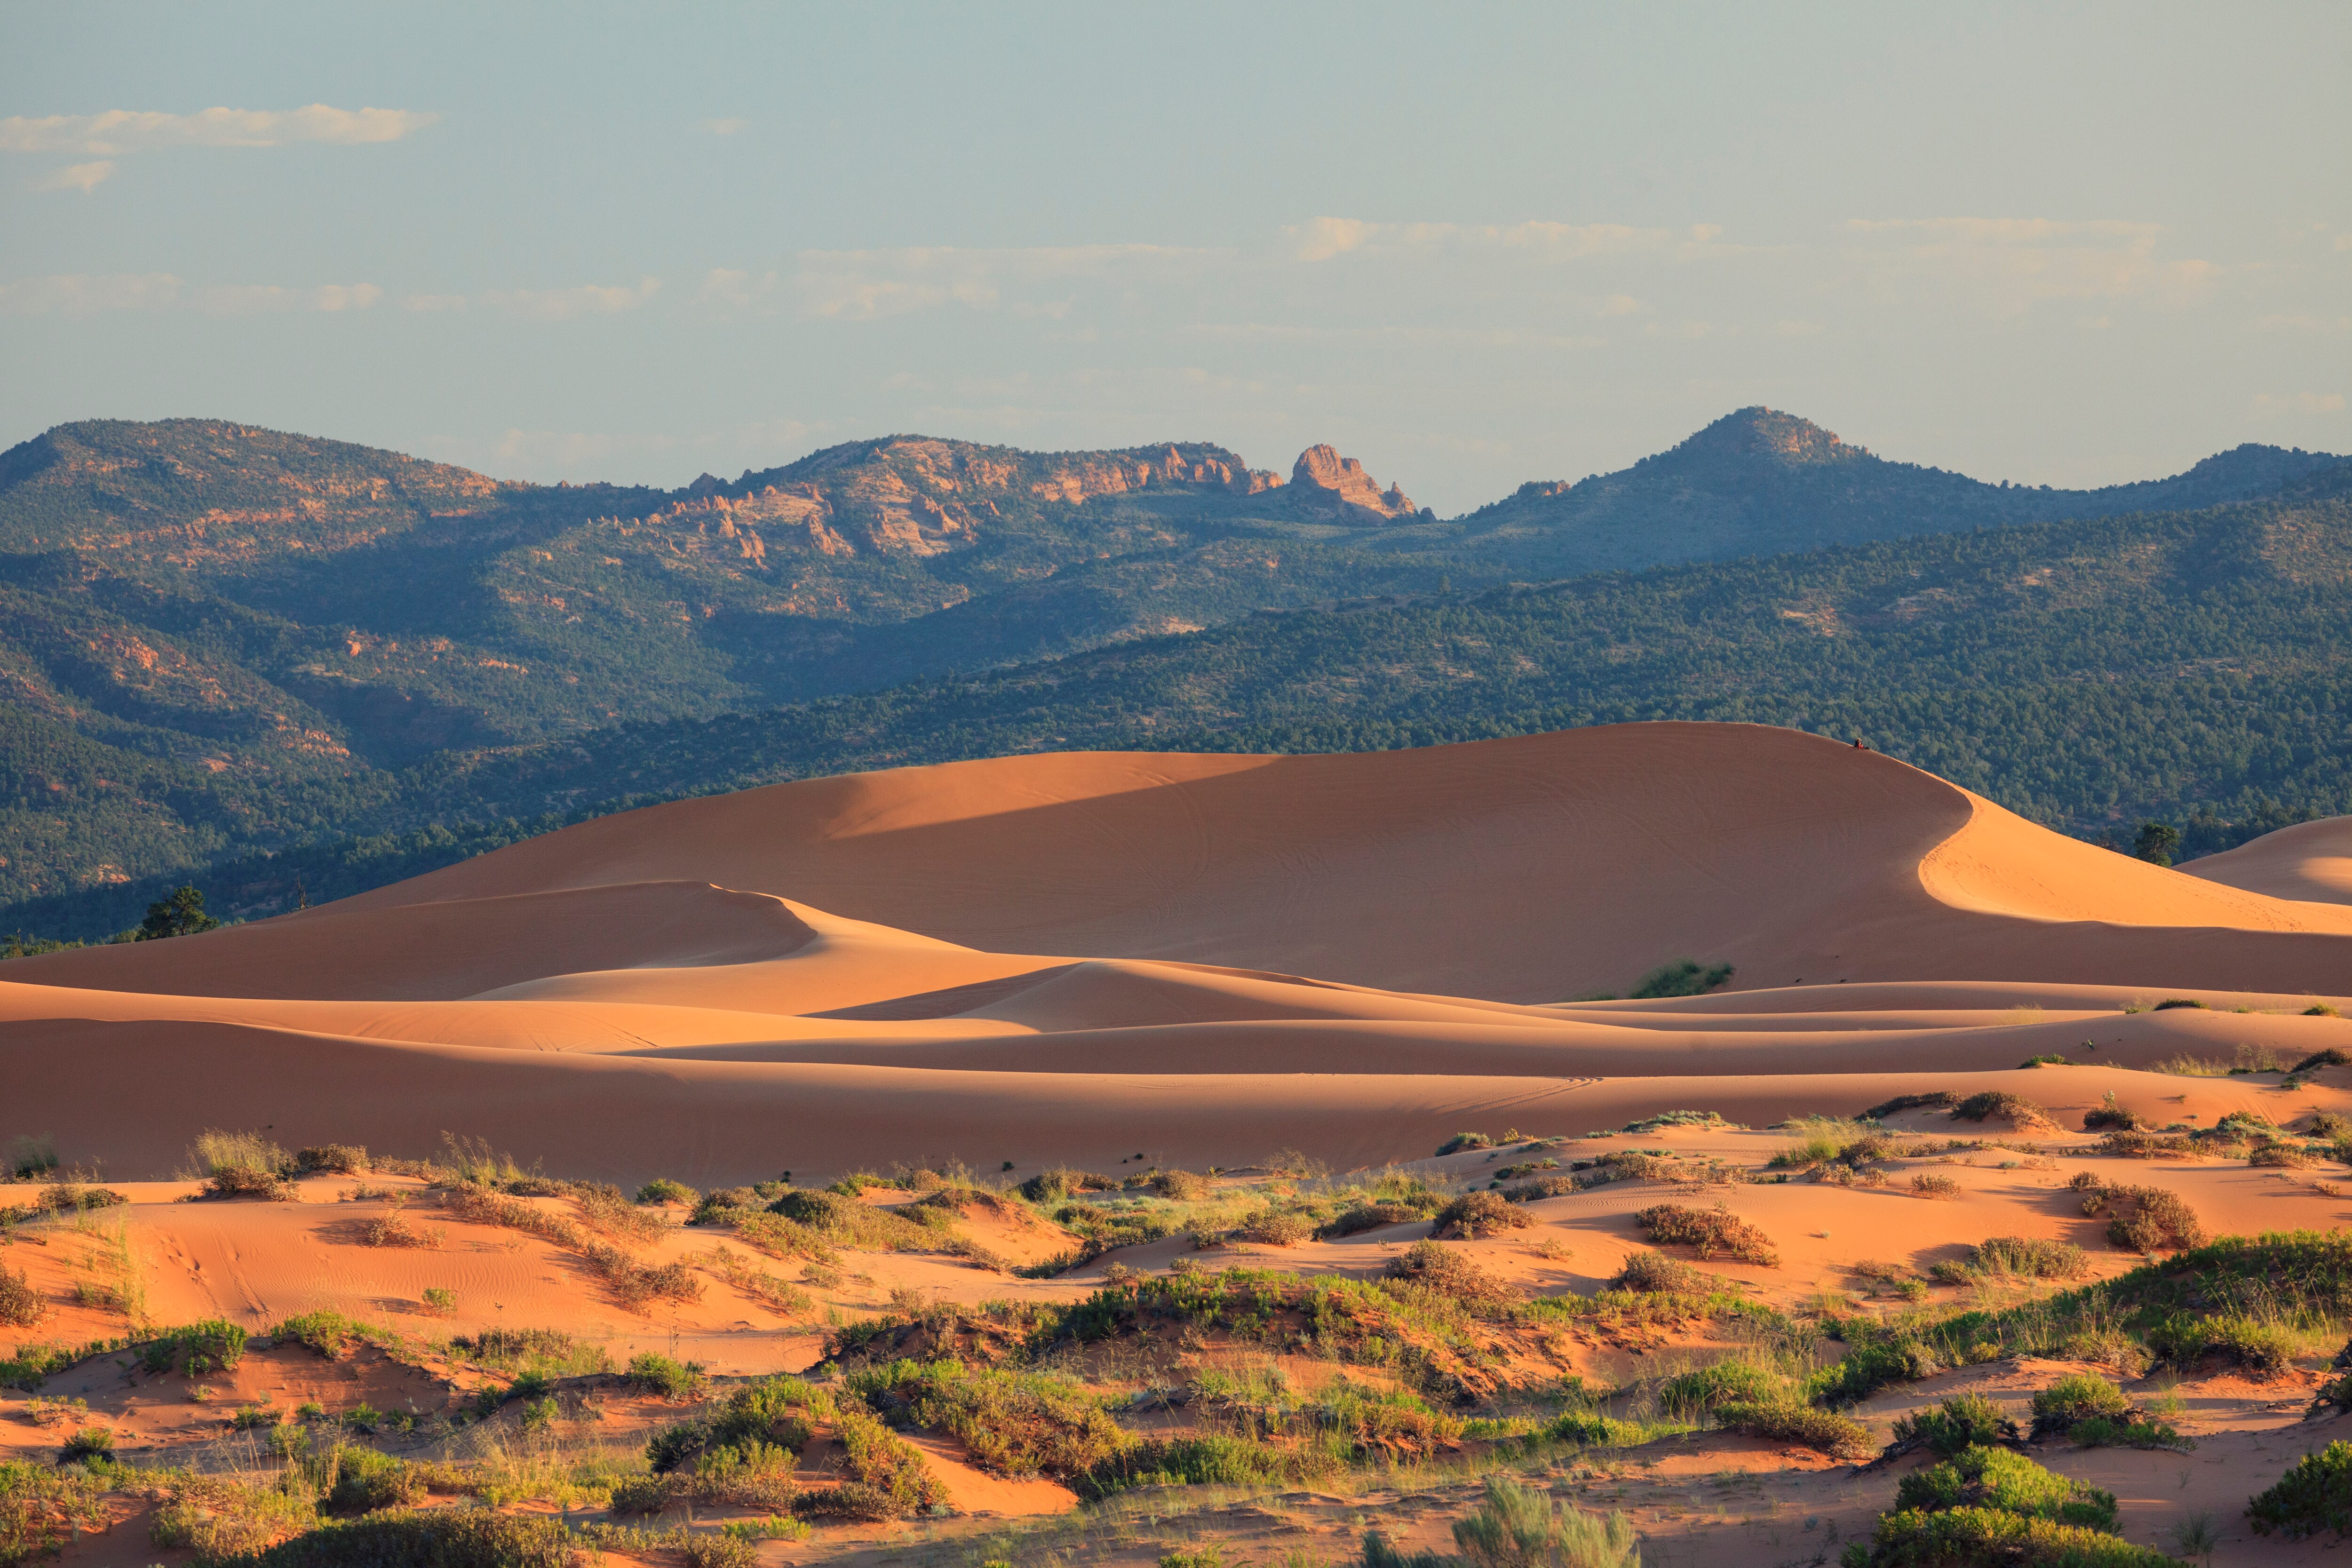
point(2084, 673)
point(216, 640)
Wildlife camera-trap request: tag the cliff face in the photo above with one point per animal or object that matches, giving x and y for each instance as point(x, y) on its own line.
point(912, 496)
point(1322, 480)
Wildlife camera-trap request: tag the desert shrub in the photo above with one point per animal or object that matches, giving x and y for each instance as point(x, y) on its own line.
point(1934, 1184)
point(216, 1151)
point(1541, 1187)
point(427, 1538)
point(1716, 1233)
point(2108, 1115)
point(243, 1182)
point(20, 1305)
point(1464, 1142)
point(662, 1190)
point(1867, 1369)
point(394, 1230)
point(1476, 1215)
point(1996, 1479)
point(2152, 1219)
point(1966, 1421)
point(722, 1549)
point(1966, 1536)
point(750, 1474)
point(2315, 1495)
point(341, 1159)
point(1785, 1421)
point(1592, 1428)
point(1011, 1424)
point(325, 1332)
point(2127, 1432)
point(2169, 1003)
point(1179, 1186)
point(212, 1346)
point(1273, 1229)
point(1211, 1459)
point(2330, 1057)
point(659, 1374)
point(366, 1480)
point(1940, 1100)
point(89, 1443)
point(42, 1508)
point(222, 1520)
point(2078, 1397)
point(640, 1494)
point(1820, 1140)
point(2280, 1154)
point(889, 1477)
point(1366, 1217)
point(2031, 1257)
point(1703, 1392)
point(1516, 1526)
point(1052, 1186)
point(1682, 977)
point(1446, 1273)
point(1655, 1273)
point(2014, 1109)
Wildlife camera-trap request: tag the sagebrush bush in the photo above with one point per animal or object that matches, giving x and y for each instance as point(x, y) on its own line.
point(1655, 1273)
point(2014, 1109)
point(340, 1159)
point(1446, 1273)
point(1934, 1184)
point(662, 1190)
point(2031, 1257)
point(1716, 1233)
point(20, 1305)
point(1786, 1421)
point(1476, 1215)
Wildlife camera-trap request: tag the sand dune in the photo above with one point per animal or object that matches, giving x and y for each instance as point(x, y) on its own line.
point(2310, 862)
point(1216, 955)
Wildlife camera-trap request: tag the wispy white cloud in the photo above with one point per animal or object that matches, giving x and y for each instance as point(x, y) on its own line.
point(76, 176)
point(2299, 403)
point(734, 125)
point(2014, 264)
point(256, 298)
point(1322, 239)
point(121, 130)
point(87, 293)
point(867, 285)
point(565, 304)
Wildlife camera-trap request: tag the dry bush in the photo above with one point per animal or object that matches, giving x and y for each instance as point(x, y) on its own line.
point(1934, 1184)
point(1941, 1100)
point(1182, 1186)
point(2031, 1257)
point(2109, 1116)
point(2147, 1219)
point(1716, 1233)
point(1272, 1229)
point(2014, 1109)
point(1447, 1273)
point(1655, 1272)
point(1366, 1217)
point(394, 1230)
point(1476, 1215)
point(341, 1159)
point(20, 1305)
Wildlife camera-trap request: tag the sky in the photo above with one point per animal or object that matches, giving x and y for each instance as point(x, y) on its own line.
point(1469, 245)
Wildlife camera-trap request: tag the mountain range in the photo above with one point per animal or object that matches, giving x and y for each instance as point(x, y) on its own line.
point(219, 641)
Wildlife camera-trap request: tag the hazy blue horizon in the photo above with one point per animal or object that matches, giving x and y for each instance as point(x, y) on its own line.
point(1470, 248)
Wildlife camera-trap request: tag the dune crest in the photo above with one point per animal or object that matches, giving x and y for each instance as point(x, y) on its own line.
point(1212, 954)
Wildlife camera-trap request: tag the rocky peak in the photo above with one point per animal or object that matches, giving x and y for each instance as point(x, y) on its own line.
point(1767, 434)
point(1324, 481)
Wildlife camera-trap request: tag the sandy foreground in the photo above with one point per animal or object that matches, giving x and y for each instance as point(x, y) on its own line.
point(1284, 969)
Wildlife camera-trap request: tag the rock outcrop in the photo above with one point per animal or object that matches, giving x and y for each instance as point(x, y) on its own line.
point(1322, 480)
